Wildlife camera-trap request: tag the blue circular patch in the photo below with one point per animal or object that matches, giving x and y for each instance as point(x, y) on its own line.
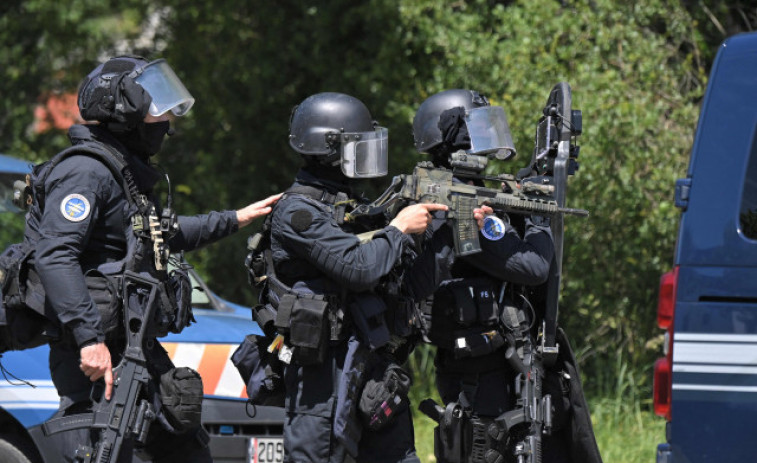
point(75, 207)
point(494, 228)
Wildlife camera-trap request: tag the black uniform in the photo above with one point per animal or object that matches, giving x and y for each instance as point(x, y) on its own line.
point(467, 302)
point(83, 233)
point(509, 260)
point(312, 253)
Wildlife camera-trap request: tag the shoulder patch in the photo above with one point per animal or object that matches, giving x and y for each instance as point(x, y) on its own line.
point(75, 207)
point(301, 220)
point(494, 228)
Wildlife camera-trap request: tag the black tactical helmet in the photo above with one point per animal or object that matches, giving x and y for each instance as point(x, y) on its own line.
point(124, 89)
point(426, 121)
point(461, 120)
point(317, 121)
point(108, 94)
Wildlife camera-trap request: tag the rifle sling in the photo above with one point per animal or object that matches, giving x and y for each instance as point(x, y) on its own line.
point(68, 423)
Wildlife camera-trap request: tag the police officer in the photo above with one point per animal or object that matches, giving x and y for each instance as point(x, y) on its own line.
point(87, 229)
point(468, 302)
point(332, 274)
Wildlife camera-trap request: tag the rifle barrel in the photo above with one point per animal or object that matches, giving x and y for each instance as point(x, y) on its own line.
point(537, 207)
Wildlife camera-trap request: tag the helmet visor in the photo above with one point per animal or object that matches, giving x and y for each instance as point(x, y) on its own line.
point(365, 154)
point(489, 132)
point(165, 88)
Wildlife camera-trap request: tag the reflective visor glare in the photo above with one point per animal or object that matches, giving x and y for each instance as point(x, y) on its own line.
point(489, 132)
point(166, 89)
point(365, 154)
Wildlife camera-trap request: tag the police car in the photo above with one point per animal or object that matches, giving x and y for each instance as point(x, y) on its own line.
point(706, 384)
point(239, 433)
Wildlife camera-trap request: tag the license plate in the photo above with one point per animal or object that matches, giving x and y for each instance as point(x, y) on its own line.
point(265, 450)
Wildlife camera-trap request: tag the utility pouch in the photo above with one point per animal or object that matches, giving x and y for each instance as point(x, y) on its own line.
point(284, 312)
point(24, 329)
point(175, 304)
point(261, 371)
point(181, 287)
point(265, 316)
point(488, 313)
point(12, 278)
point(401, 315)
point(23, 321)
point(382, 400)
point(102, 290)
point(474, 302)
point(309, 330)
point(368, 311)
point(465, 304)
point(181, 395)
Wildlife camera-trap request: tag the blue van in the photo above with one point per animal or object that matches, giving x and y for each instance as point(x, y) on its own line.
point(706, 384)
point(239, 434)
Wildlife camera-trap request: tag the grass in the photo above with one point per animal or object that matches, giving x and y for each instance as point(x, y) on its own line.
point(623, 435)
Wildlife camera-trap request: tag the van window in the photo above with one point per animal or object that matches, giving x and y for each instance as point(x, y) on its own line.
point(749, 198)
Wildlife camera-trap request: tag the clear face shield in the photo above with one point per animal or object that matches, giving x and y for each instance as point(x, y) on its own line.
point(165, 88)
point(365, 154)
point(489, 132)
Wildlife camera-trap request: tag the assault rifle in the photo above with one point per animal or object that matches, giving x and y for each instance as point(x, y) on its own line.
point(127, 415)
point(429, 184)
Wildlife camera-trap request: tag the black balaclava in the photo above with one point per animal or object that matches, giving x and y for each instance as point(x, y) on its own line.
point(332, 175)
point(145, 139)
point(454, 136)
point(145, 175)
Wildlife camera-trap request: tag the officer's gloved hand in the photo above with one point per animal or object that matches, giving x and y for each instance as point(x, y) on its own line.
point(480, 213)
point(540, 220)
point(382, 400)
